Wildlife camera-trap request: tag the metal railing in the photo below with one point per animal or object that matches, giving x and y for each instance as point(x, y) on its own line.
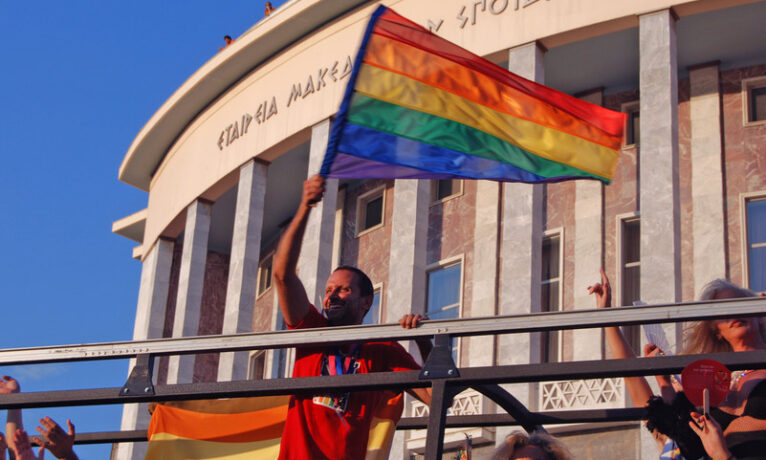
point(439, 372)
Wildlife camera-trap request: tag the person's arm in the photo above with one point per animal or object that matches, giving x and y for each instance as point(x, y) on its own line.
point(13, 420)
point(663, 381)
point(21, 447)
point(425, 346)
point(293, 300)
point(709, 432)
point(638, 387)
point(411, 321)
point(58, 442)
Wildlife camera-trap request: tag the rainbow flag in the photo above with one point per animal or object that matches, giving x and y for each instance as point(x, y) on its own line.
point(418, 106)
point(239, 429)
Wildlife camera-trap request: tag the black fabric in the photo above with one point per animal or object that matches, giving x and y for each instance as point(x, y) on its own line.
point(673, 420)
point(756, 402)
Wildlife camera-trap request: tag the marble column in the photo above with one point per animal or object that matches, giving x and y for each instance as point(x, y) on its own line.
point(406, 289)
point(522, 229)
point(407, 255)
point(150, 318)
point(243, 265)
point(315, 262)
point(190, 284)
point(588, 253)
point(658, 172)
point(481, 349)
point(707, 176)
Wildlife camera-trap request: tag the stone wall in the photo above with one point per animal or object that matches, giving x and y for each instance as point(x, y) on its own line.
point(744, 160)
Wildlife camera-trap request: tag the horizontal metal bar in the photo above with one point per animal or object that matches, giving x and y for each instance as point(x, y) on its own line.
point(468, 377)
point(420, 423)
point(110, 437)
point(573, 319)
point(547, 418)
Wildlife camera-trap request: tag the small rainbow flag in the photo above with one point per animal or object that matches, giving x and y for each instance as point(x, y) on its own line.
point(418, 106)
point(239, 429)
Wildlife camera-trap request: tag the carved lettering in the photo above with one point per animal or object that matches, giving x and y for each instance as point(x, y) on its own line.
point(475, 4)
point(228, 134)
point(309, 87)
point(434, 27)
point(260, 115)
point(246, 119)
point(334, 71)
point(463, 19)
point(272, 108)
point(347, 68)
point(494, 9)
point(295, 93)
point(220, 141)
point(320, 78)
point(235, 132)
point(529, 2)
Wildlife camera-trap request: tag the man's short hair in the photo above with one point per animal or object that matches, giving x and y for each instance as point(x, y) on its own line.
point(365, 285)
point(227, 37)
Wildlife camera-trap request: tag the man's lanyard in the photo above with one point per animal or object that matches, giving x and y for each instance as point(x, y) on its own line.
point(341, 364)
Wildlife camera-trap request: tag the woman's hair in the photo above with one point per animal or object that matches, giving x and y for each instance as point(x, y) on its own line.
point(702, 337)
point(553, 448)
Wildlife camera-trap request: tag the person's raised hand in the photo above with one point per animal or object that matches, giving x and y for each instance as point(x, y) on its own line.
point(55, 439)
point(9, 385)
point(602, 291)
point(709, 432)
point(313, 190)
point(651, 350)
point(22, 449)
point(412, 320)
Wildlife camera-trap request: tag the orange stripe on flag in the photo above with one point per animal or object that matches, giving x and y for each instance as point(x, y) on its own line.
point(244, 427)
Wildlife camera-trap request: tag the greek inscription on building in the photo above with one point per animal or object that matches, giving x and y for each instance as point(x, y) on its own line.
point(468, 13)
point(268, 108)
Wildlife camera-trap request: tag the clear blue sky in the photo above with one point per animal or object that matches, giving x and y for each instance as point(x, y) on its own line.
point(78, 81)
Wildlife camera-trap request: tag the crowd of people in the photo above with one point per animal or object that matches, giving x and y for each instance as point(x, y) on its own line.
point(52, 437)
point(735, 429)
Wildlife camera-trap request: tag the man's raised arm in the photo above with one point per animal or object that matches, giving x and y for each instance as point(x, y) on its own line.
point(293, 300)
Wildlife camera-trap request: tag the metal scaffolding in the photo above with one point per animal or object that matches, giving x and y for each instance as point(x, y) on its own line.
point(439, 372)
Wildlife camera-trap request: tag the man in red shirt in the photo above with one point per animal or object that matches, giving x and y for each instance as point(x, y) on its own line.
point(333, 425)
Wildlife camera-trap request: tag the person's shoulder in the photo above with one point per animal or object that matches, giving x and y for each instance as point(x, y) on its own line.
point(313, 319)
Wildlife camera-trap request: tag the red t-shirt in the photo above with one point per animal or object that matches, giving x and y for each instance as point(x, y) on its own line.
point(314, 431)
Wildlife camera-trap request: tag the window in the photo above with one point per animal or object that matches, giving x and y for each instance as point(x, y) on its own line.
point(758, 104)
point(550, 294)
point(257, 365)
point(444, 294)
point(445, 188)
point(281, 359)
point(755, 229)
point(369, 210)
point(264, 274)
point(373, 316)
point(633, 126)
point(754, 100)
point(630, 274)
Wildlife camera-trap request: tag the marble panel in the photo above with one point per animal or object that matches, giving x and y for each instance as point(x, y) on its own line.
point(245, 254)
point(366, 250)
point(744, 160)
point(212, 313)
point(190, 286)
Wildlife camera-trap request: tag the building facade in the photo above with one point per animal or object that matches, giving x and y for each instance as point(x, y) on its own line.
point(223, 161)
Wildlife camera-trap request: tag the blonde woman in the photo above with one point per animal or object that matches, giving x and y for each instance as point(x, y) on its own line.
point(737, 429)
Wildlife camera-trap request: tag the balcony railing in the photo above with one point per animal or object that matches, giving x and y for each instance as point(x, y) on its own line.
point(439, 372)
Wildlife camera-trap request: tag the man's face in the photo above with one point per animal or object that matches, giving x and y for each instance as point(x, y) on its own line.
point(343, 303)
